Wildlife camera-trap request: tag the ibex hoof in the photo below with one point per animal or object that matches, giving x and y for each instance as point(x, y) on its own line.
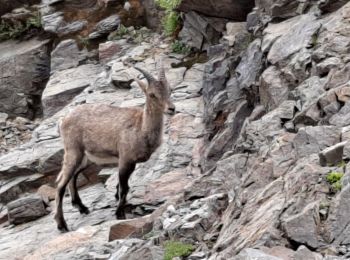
point(84, 210)
point(62, 227)
point(120, 214)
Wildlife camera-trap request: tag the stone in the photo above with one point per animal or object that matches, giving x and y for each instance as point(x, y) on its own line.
point(311, 140)
point(342, 118)
point(337, 222)
point(304, 253)
point(250, 66)
point(135, 228)
point(11, 189)
point(332, 155)
point(105, 26)
point(299, 30)
point(26, 209)
point(66, 55)
point(252, 254)
point(64, 85)
point(25, 68)
point(167, 186)
point(232, 30)
point(107, 50)
point(47, 192)
point(273, 90)
point(3, 118)
point(236, 10)
point(303, 227)
point(199, 32)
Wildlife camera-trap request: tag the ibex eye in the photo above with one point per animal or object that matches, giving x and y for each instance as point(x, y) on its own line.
point(152, 95)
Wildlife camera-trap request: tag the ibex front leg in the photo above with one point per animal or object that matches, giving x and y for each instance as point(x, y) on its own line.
point(125, 170)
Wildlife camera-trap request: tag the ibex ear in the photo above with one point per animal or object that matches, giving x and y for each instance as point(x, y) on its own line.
point(142, 85)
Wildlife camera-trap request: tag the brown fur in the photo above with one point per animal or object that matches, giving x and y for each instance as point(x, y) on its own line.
point(106, 134)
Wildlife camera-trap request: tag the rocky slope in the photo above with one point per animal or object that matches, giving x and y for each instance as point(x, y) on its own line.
point(254, 165)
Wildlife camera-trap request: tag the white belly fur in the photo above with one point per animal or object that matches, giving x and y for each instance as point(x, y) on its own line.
point(102, 160)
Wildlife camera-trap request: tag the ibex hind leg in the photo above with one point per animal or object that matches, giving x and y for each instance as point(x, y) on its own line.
point(76, 200)
point(125, 170)
point(72, 160)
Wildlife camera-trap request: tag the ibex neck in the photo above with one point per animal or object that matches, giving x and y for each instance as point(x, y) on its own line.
point(152, 120)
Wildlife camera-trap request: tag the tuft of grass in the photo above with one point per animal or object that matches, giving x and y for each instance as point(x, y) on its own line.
point(120, 33)
point(179, 47)
point(341, 164)
point(84, 41)
point(177, 249)
point(334, 179)
point(172, 18)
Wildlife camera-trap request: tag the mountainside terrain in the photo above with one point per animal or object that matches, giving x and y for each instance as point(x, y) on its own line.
point(255, 164)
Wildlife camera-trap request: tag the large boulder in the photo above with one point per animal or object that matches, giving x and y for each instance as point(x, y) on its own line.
point(231, 9)
point(25, 68)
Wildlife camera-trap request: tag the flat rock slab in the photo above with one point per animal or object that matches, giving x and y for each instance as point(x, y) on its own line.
point(65, 85)
point(26, 209)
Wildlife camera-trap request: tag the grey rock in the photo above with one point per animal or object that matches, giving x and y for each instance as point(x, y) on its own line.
point(230, 9)
point(273, 90)
point(337, 222)
point(64, 85)
point(250, 66)
point(332, 155)
point(66, 55)
point(304, 253)
point(342, 118)
point(303, 226)
point(52, 22)
point(25, 67)
point(311, 140)
point(26, 209)
point(199, 32)
point(299, 30)
point(252, 254)
point(105, 26)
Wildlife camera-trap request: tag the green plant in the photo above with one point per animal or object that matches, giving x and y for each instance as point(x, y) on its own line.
point(171, 18)
point(119, 33)
point(34, 21)
point(84, 41)
point(15, 30)
point(341, 164)
point(334, 178)
point(175, 248)
point(179, 47)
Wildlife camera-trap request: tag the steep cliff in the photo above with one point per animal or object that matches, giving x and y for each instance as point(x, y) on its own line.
point(254, 165)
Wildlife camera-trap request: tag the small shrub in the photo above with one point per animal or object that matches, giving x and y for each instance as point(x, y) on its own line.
point(14, 31)
point(84, 42)
point(177, 249)
point(179, 47)
point(171, 18)
point(334, 179)
point(119, 33)
point(341, 164)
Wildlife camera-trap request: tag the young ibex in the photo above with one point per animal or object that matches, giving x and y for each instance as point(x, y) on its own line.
point(111, 135)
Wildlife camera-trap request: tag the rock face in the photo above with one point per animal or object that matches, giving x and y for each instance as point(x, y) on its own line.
point(26, 209)
point(253, 165)
point(231, 9)
point(25, 68)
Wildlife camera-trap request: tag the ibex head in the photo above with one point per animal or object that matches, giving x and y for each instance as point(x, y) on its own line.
point(158, 91)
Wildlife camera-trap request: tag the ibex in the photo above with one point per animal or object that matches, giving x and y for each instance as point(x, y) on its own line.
point(105, 134)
